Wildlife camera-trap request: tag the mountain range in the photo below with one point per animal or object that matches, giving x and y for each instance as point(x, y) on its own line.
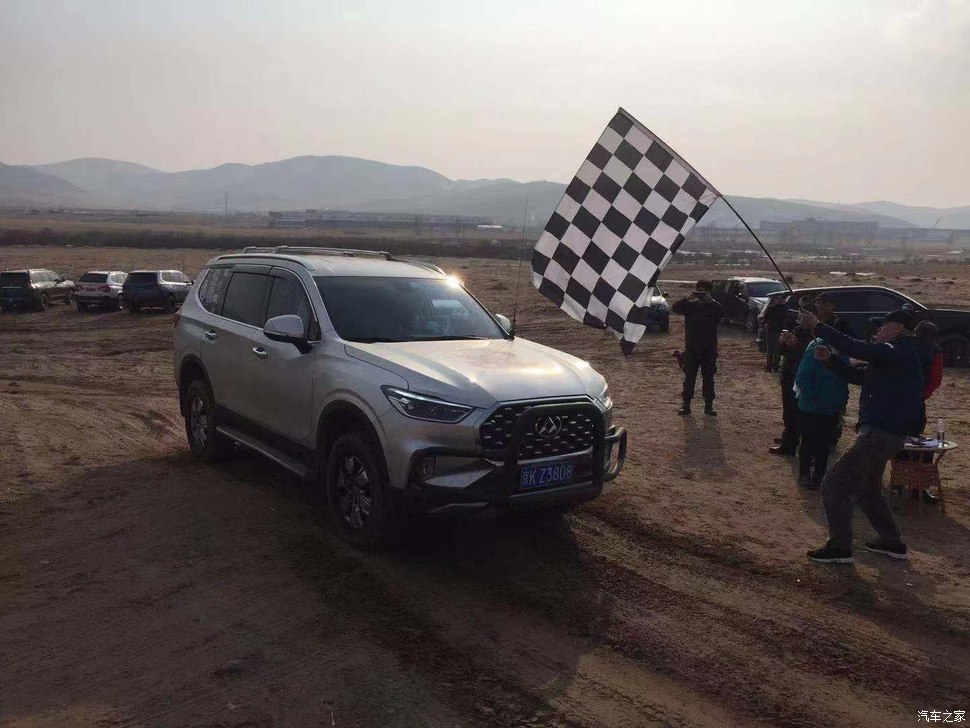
point(349, 183)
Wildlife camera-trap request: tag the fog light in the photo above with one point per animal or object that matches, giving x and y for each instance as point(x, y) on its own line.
point(426, 468)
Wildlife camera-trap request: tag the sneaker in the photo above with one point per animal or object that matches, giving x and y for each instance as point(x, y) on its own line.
point(781, 450)
point(685, 410)
point(830, 554)
point(709, 410)
point(898, 551)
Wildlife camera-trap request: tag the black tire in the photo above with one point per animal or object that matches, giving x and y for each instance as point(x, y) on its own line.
point(956, 350)
point(133, 308)
point(45, 302)
point(362, 506)
point(69, 298)
point(4, 307)
point(665, 327)
point(81, 307)
point(200, 424)
point(171, 305)
point(119, 302)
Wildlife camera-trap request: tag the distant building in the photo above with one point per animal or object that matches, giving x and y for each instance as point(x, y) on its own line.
point(344, 219)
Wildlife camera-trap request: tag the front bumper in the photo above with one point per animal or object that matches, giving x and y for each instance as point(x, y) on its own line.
point(495, 475)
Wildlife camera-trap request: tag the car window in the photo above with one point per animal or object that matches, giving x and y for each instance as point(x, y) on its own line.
point(718, 287)
point(16, 280)
point(142, 278)
point(289, 298)
point(168, 276)
point(118, 277)
point(246, 298)
point(93, 278)
point(212, 292)
point(884, 302)
point(851, 300)
point(760, 289)
point(369, 309)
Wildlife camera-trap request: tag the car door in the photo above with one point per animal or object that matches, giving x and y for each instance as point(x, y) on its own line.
point(61, 288)
point(283, 375)
point(227, 340)
point(45, 284)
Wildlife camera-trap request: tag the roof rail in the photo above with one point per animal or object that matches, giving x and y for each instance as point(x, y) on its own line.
point(310, 250)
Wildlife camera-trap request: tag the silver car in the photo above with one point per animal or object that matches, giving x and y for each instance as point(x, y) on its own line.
point(100, 288)
point(387, 385)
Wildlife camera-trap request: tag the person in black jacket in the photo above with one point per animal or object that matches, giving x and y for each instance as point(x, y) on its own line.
point(702, 315)
point(825, 306)
point(776, 319)
point(890, 401)
point(792, 347)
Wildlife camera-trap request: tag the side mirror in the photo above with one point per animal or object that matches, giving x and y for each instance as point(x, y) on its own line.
point(287, 328)
point(665, 294)
point(504, 322)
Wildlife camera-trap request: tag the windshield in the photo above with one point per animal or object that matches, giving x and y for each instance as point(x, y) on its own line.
point(370, 309)
point(13, 279)
point(93, 278)
point(142, 278)
point(765, 288)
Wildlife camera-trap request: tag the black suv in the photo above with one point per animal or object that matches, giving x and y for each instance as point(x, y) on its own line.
point(743, 298)
point(165, 289)
point(858, 305)
point(33, 288)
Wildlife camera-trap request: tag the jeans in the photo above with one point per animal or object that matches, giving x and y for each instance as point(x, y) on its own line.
point(771, 348)
point(857, 478)
point(789, 409)
point(704, 360)
point(816, 431)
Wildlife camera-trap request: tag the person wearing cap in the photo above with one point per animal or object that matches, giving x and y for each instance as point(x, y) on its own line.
point(702, 315)
point(776, 317)
point(791, 345)
point(825, 305)
point(890, 401)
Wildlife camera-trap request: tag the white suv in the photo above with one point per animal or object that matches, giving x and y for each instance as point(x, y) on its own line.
point(387, 385)
point(100, 288)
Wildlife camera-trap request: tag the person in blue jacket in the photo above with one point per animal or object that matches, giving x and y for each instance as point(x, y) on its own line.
point(890, 402)
point(822, 396)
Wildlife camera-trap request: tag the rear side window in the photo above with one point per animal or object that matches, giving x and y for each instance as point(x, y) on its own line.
point(13, 279)
point(39, 276)
point(170, 276)
point(289, 298)
point(142, 278)
point(246, 298)
point(881, 302)
point(93, 278)
point(212, 292)
point(117, 277)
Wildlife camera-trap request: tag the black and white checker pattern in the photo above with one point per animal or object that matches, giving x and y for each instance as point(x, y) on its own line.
point(619, 223)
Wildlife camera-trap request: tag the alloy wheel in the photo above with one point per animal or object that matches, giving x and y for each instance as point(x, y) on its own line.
point(354, 496)
point(199, 421)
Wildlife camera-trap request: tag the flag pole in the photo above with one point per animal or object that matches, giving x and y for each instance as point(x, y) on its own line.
point(744, 222)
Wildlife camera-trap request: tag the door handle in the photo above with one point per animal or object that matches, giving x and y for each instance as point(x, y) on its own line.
point(260, 352)
point(211, 335)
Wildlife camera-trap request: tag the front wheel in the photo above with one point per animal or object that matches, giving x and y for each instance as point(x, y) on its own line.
point(171, 305)
point(45, 302)
point(362, 506)
point(751, 324)
point(205, 441)
point(665, 327)
point(119, 302)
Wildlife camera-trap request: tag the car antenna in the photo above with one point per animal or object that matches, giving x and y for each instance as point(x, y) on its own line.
point(518, 272)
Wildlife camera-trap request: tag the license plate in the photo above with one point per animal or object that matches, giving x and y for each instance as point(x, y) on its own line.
point(544, 476)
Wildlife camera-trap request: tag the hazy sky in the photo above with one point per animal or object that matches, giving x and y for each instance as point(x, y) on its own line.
point(841, 100)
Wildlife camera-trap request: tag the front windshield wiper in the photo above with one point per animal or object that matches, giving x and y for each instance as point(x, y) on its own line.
point(377, 340)
point(453, 338)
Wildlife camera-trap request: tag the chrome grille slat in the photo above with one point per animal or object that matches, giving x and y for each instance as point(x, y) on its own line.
point(576, 435)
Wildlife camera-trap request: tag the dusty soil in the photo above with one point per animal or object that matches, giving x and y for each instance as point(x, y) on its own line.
point(141, 588)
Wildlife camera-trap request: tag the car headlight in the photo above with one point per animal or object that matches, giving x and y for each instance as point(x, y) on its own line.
point(423, 407)
point(604, 398)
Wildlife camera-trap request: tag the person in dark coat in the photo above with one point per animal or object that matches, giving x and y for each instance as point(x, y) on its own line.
point(826, 314)
point(792, 347)
point(890, 401)
point(776, 319)
point(702, 316)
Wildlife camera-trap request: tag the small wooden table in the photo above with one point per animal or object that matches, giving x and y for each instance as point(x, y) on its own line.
point(917, 467)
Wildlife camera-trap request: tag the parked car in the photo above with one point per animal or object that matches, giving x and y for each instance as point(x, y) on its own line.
point(33, 288)
point(165, 289)
point(100, 288)
point(743, 298)
point(858, 305)
point(389, 386)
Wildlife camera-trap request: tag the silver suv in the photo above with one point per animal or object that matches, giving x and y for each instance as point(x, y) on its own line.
point(388, 386)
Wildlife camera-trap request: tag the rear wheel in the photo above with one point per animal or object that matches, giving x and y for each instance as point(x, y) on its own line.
point(170, 304)
point(956, 350)
point(363, 508)
point(205, 441)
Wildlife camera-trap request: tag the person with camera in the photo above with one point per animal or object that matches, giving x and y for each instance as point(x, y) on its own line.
point(890, 401)
point(702, 316)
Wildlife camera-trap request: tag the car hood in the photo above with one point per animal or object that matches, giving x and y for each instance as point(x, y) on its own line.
point(481, 373)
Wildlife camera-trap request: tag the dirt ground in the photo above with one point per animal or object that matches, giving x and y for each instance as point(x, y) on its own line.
point(141, 588)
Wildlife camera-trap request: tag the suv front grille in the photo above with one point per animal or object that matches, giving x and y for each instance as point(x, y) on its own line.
point(575, 435)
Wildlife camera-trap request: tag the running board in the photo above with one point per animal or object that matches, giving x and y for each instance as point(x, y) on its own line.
point(294, 465)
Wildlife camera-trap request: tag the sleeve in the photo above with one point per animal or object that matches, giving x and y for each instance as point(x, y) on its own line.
point(719, 308)
point(680, 307)
point(935, 378)
point(856, 348)
point(851, 374)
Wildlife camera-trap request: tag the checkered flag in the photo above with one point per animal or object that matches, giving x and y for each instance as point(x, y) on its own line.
point(619, 223)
